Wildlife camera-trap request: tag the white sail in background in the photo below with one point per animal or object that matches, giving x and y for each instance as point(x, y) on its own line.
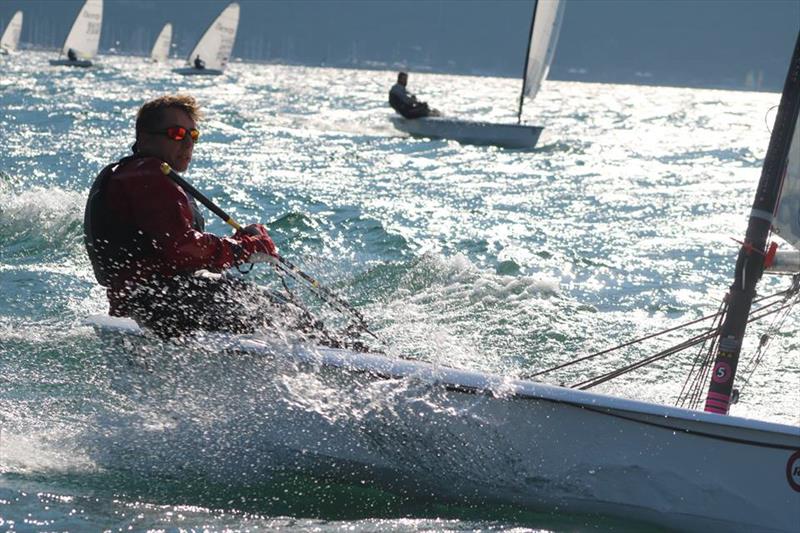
point(84, 37)
point(216, 44)
point(10, 39)
point(544, 35)
point(786, 221)
point(160, 51)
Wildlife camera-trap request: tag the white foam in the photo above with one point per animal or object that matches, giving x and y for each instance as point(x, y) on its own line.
point(46, 209)
point(446, 308)
point(31, 453)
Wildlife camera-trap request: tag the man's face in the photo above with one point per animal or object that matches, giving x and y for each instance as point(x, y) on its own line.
point(402, 80)
point(178, 154)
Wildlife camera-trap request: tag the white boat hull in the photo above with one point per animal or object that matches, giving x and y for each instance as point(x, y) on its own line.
point(82, 63)
point(431, 431)
point(470, 132)
point(191, 71)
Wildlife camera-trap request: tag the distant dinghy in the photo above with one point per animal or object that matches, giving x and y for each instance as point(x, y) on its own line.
point(545, 26)
point(470, 132)
point(84, 37)
point(212, 52)
point(160, 51)
point(10, 39)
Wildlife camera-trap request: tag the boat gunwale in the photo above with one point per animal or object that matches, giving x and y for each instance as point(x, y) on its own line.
point(624, 408)
point(492, 385)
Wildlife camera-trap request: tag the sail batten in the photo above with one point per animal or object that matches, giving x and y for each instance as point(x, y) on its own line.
point(215, 46)
point(84, 37)
point(10, 39)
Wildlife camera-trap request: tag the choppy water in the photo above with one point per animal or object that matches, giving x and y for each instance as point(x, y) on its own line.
point(618, 224)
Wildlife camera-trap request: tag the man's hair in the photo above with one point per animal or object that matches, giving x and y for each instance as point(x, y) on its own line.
point(401, 74)
point(149, 115)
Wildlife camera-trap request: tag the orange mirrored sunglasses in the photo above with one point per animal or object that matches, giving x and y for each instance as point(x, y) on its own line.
point(178, 133)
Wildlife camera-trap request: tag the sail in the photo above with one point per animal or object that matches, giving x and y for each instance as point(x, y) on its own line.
point(10, 38)
point(786, 219)
point(84, 37)
point(216, 44)
point(546, 24)
point(161, 47)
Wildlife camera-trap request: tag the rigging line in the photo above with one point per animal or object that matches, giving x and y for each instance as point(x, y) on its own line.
point(640, 339)
point(720, 313)
point(597, 380)
point(685, 390)
point(695, 394)
point(336, 303)
point(764, 341)
point(292, 298)
point(758, 357)
point(286, 286)
point(705, 368)
point(776, 325)
point(623, 345)
point(328, 296)
point(767, 313)
point(703, 376)
point(784, 292)
point(650, 358)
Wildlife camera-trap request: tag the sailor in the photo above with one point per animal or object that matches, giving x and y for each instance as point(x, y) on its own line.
point(146, 241)
point(199, 63)
point(406, 103)
point(71, 55)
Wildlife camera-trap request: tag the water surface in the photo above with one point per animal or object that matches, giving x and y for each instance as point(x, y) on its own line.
point(619, 223)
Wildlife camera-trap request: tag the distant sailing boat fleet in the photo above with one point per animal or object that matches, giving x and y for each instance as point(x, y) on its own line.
point(212, 52)
point(208, 57)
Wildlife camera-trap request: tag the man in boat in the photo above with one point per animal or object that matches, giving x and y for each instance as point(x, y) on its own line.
point(146, 241)
point(199, 64)
point(71, 55)
point(406, 103)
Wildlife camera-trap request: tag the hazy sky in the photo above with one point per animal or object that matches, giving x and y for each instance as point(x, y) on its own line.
point(722, 43)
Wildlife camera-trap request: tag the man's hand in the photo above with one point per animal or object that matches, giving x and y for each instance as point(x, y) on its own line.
point(255, 230)
point(256, 239)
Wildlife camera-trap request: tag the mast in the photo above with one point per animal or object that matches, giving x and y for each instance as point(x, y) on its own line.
point(525, 68)
point(750, 263)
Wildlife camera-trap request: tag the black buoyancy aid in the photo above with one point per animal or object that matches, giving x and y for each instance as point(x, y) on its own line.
point(397, 103)
point(112, 244)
